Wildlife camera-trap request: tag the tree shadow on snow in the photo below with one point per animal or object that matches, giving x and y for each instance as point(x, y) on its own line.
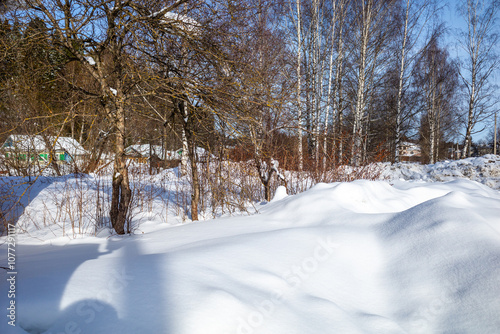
point(42, 276)
point(111, 289)
point(16, 193)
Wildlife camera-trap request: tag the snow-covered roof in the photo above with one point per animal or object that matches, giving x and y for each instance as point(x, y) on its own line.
point(410, 149)
point(144, 149)
point(410, 144)
point(200, 152)
point(24, 143)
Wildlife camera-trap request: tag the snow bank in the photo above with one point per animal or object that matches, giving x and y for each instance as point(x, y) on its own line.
point(279, 194)
point(359, 257)
point(485, 170)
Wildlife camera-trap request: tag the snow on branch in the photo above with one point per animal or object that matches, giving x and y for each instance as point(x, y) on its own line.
point(90, 60)
point(166, 15)
point(264, 175)
point(265, 172)
point(275, 166)
point(183, 22)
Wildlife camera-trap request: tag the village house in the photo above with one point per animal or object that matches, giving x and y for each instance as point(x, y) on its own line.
point(410, 151)
point(37, 148)
point(143, 152)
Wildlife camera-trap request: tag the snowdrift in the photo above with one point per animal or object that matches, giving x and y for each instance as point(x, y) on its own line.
point(485, 170)
point(359, 257)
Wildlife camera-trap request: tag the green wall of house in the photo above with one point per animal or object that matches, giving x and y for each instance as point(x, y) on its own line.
point(41, 156)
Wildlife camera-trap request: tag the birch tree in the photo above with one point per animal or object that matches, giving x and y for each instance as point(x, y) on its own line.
point(338, 91)
point(330, 82)
point(478, 42)
point(316, 40)
point(371, 19)
point(437, 76)
point(335, 67)
point(317, 74)
point(415, 15)
point(295, 11)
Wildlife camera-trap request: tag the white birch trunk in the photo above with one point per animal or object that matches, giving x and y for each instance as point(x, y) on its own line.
point(365, 27)
point(299, 87)
point(432, 119)
point(470, 116)
point(360, 97)
point(337, 93)
point(317, 80)
point(185, 147)
point(479, 44)
point(400, 85)
point(329, 95)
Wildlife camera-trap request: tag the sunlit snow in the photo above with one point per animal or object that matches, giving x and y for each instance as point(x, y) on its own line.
point(357, 257)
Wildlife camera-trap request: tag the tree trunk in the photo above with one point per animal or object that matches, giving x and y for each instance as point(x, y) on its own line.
point(360, 94)
point(267, 191)
point(432, 127)
point(299, 88)
point(470, 114)
point(121, 193)
point(357, 130)
point(468, 134)
point(329, 94)
point(317, 76)
point(185, 151)
point(195, 195)
point(337, 95)
point(479, 43)
point(495, 136)
point(189, 153)
point(400, 86)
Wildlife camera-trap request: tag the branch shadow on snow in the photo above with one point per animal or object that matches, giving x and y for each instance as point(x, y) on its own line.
point(43, 273)
point(62, 289)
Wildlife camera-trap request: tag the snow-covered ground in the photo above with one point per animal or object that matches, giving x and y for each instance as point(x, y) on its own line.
point(390, 256)
point(485, 170)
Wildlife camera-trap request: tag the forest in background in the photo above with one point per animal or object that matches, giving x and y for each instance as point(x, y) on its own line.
point(295, 85)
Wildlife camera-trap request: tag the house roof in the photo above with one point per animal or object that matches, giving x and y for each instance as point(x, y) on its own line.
point(36, 143)
point(201, 153)
point(144, 150)
point(407, 143)
point(410, 149)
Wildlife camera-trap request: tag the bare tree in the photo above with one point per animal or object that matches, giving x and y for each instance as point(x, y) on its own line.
point(437, 75)
point(335, 69)
point(338, 92)
point(103, 39)
point(297, 21)
point(7, 5)
point(262, 92)
point(415, 15)
point(191, 66)
point(371, 28)
point(478, 42)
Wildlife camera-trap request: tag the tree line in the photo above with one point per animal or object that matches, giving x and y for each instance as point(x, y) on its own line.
point(305, 85)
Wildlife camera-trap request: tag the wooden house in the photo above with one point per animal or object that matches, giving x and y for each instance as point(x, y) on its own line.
point(37, 148)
